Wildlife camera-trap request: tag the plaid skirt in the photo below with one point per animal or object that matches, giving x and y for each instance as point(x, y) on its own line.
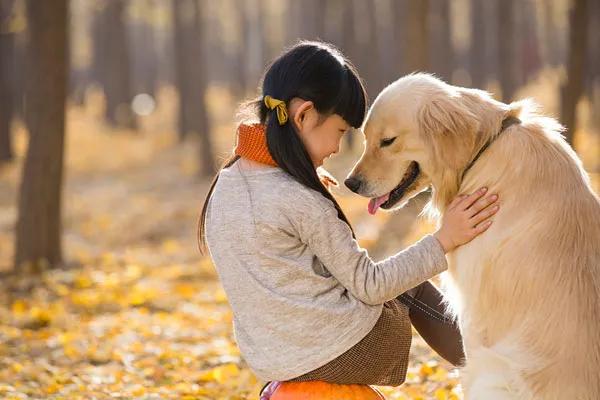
point(380, 358)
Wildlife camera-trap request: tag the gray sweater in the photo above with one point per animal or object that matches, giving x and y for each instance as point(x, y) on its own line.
point(301, 289)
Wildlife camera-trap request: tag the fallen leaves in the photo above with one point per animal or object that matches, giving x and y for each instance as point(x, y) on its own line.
point(102, 331)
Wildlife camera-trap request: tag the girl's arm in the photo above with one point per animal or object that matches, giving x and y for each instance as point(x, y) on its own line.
point(374, 283)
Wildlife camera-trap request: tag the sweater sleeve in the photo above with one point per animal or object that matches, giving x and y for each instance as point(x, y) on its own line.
point(371, 282)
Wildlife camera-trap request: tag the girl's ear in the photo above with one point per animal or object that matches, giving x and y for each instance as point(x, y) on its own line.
point(302, 113)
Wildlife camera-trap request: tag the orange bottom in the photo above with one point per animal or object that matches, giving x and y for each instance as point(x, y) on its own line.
point(319, 390)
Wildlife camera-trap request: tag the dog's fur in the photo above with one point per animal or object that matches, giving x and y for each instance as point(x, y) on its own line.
point(527, 291)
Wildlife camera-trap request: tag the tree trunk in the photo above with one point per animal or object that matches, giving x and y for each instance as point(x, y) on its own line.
point(190, 67)
point(400, 11)
point(441, 50)
point(573, 88)
point(508, 55)
point(530, 52)
point(592, 85)
point(207, 161)
point(417, 37)
point(553, 54)
point(373, 62)
point(478, 41)
point(6, 80)
point(143, 49)
point(38, 233)
point(186, 58)
point(240, 70)
point(114, 64)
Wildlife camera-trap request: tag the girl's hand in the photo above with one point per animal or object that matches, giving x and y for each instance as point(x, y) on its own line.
point(466, 218)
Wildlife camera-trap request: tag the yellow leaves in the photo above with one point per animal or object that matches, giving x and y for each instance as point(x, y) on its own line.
point(53, 388)
point(432, 371)
point(440, 375)
point(126, 325)
point(170, 246)
point(6, 388)
point(137, 347)
point(446, 394)
point(83, 281)
point(427, 368)
point(16, 367)
point(40, 316)
point(137, 297)
point(133, 272)
point(87, 298)
point(61, 290)
point(19, 307)
point(186, 290)
point(71, 352)
point(220, 374)
point(138, 391)
point(34, 316)
point(220, 296)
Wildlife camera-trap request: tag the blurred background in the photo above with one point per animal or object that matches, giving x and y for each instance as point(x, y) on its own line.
point(114, 117)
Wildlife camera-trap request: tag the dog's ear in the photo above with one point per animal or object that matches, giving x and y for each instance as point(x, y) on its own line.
point(449, 130)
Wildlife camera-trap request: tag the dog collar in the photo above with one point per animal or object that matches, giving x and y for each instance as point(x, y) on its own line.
point(506, 123)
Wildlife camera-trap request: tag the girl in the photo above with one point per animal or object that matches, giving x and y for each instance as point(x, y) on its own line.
point(308, 303)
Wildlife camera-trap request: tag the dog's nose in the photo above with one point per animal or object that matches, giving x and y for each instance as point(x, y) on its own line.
point(353, 184)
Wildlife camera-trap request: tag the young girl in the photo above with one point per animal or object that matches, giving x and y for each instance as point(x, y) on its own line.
point(308, 303)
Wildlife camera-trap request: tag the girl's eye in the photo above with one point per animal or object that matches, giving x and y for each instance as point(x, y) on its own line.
point(387, 142)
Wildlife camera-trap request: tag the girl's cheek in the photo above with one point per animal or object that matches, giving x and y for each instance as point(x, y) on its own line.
point(338, 145)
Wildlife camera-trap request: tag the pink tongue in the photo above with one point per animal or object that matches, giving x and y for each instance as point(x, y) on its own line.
point(376, 202)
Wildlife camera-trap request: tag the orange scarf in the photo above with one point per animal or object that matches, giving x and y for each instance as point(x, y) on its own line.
point(252, 144)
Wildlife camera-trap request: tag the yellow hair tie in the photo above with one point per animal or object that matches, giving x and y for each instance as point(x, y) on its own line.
point(272, 104)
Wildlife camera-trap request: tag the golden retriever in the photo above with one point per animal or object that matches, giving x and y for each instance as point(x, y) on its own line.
point(527, 291)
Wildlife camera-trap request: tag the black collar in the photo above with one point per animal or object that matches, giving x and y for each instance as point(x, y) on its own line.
point(506, 123)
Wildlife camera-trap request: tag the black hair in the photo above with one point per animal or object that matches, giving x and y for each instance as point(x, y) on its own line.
point(312, 71)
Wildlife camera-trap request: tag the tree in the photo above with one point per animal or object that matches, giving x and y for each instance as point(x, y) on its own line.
point(507, 50)
point(572, 90)
point(144, 60)
point(38, 233)
point(417, 36)
point(112, 64)
point(593, 71)
point(441, 51)
point(7, 45)
point(553, 54)
point(478, 42)
point(191, 79)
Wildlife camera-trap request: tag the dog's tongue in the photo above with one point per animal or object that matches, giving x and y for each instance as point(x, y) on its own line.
point(376, 202)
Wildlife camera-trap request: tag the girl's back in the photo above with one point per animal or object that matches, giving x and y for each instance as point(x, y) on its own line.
point(273, 280)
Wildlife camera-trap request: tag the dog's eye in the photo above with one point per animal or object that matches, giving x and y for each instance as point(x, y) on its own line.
point(387, 142)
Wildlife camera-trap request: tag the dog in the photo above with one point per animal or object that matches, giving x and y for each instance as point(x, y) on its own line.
point(527, 291)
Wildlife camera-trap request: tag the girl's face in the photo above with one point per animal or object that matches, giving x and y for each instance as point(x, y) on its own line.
point(320, 134)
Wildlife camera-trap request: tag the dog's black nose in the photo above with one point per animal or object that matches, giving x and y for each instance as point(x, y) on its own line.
point(353, 184)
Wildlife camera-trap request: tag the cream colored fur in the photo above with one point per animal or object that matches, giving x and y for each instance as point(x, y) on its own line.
point(527, 291)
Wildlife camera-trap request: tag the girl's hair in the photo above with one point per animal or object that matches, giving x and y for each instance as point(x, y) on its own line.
point(312, 71)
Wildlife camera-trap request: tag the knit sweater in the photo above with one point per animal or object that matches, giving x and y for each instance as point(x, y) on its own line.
point(301, 289)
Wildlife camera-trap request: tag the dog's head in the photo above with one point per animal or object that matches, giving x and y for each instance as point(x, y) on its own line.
point(418, 131)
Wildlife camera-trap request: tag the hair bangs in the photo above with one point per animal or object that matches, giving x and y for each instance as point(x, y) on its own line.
point(351, 103)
